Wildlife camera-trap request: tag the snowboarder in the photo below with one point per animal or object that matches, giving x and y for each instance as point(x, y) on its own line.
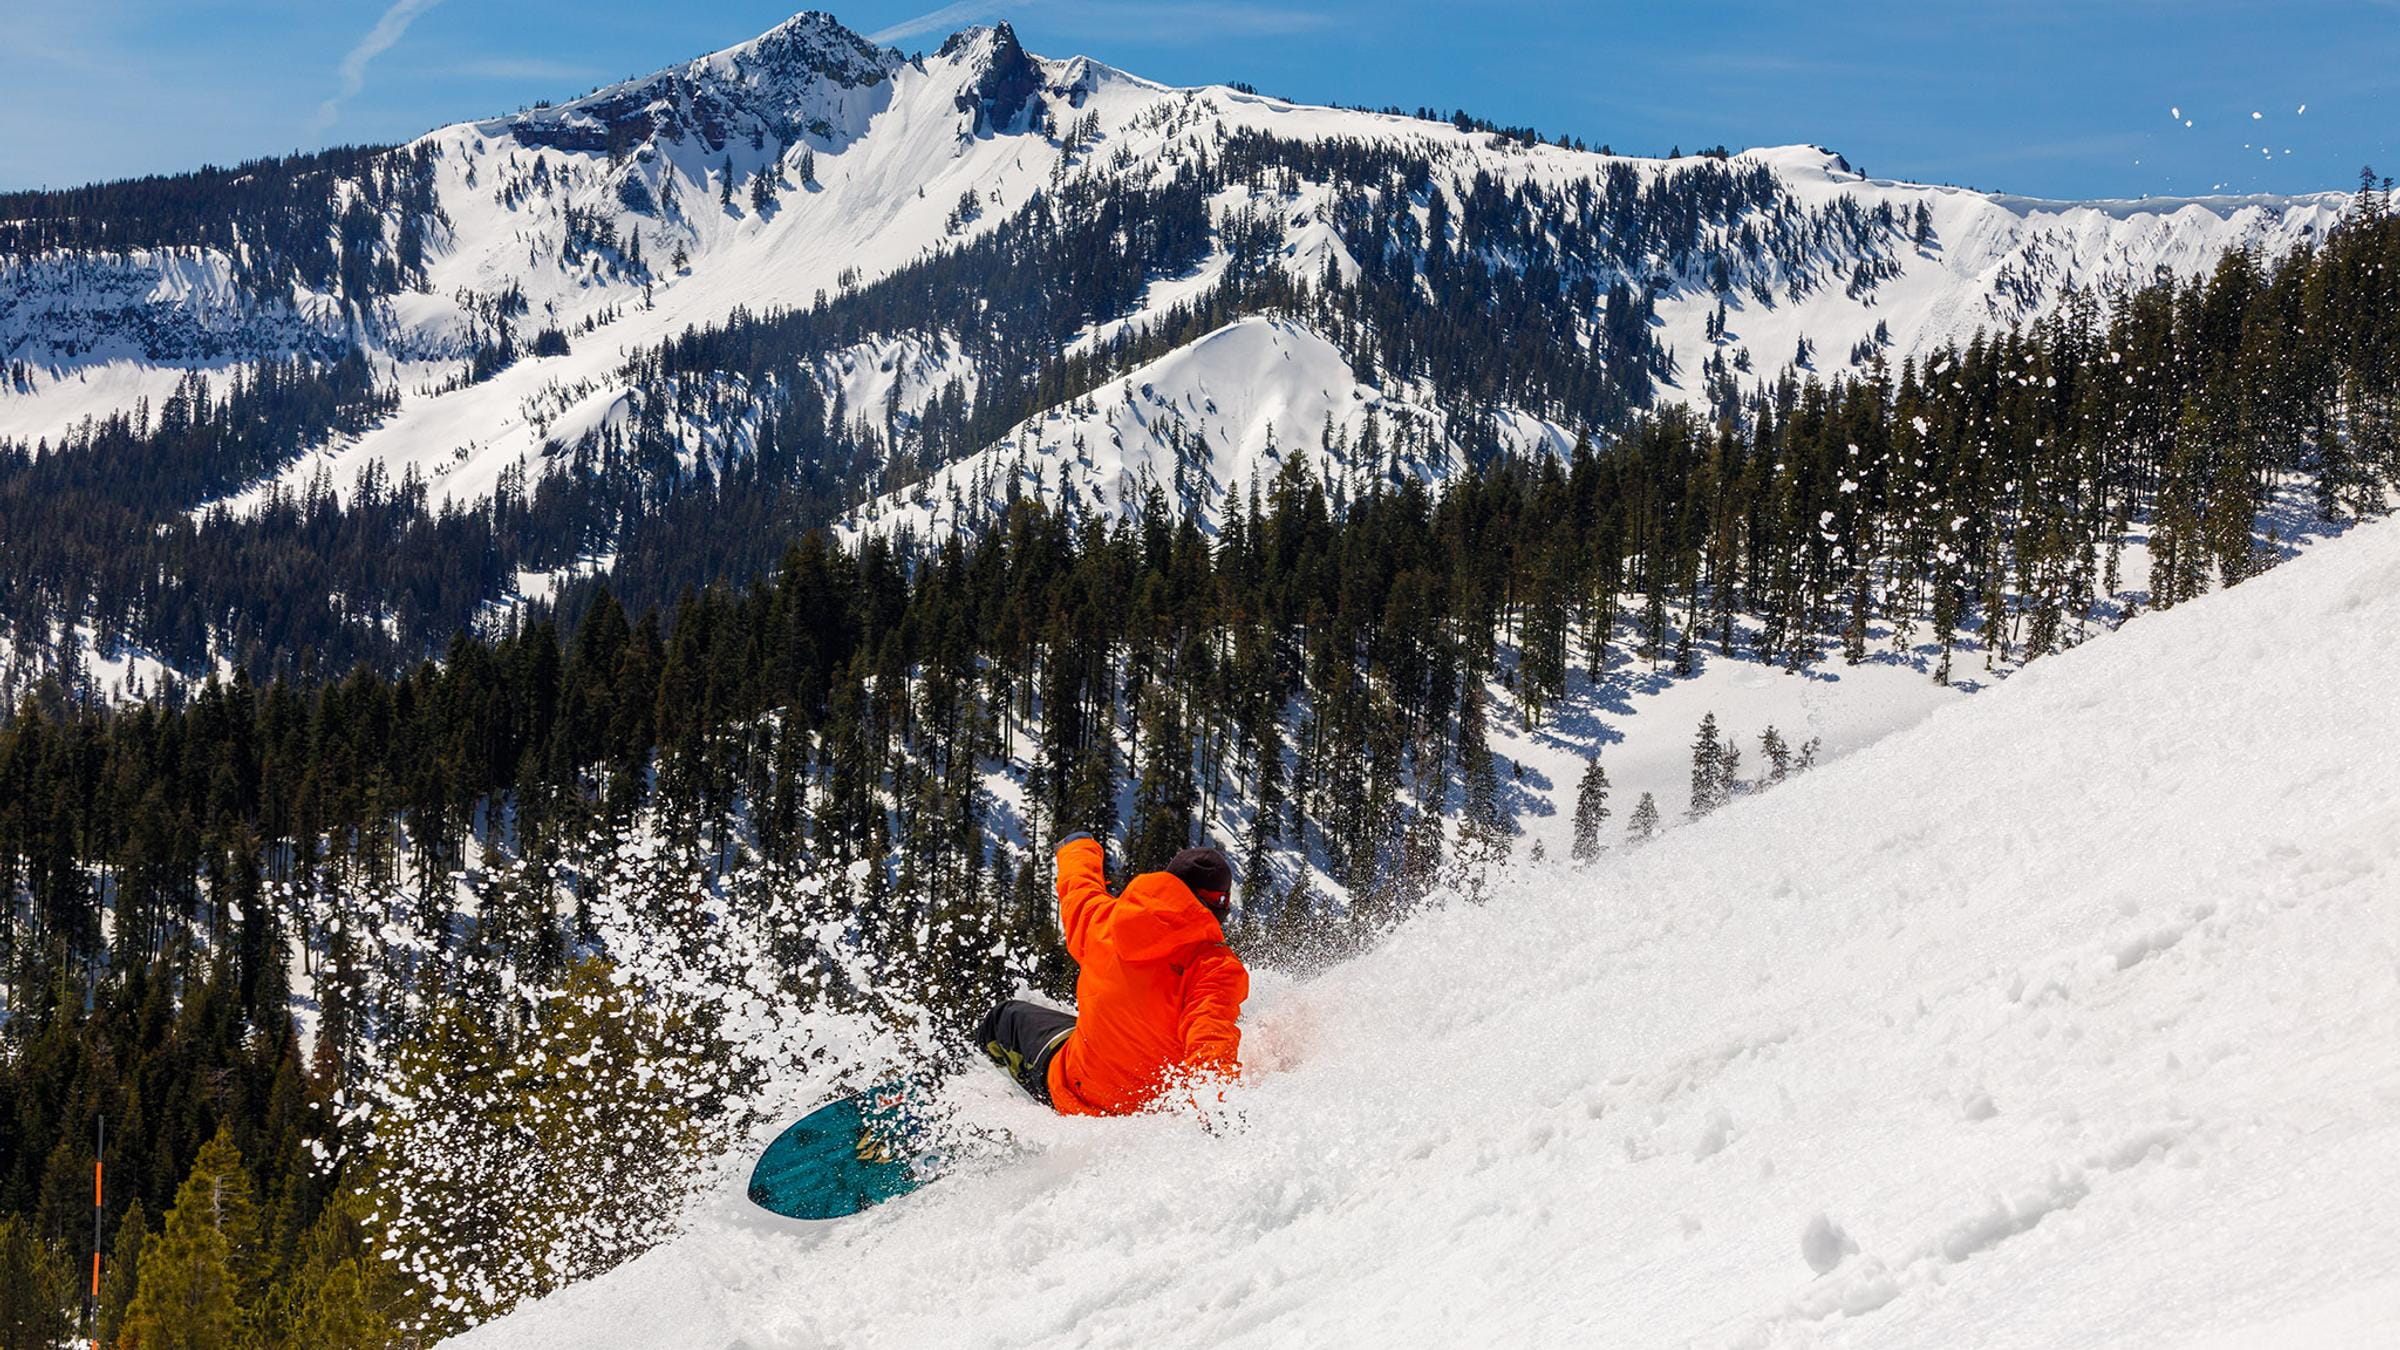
point(1157, 995)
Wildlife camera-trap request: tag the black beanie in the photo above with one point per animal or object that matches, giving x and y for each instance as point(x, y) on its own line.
point(1202, 869)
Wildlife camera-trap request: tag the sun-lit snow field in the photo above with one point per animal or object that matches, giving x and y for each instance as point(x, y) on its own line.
point(2069, 1016)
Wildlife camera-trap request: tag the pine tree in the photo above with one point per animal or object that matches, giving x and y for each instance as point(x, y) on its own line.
point(1779, 755)
point(200, 1275)
point(36, 1289)
point(1164, 798)
point(1591, 807)
point(1708, 769)
point(1643, 823)
point(1542, 659)
point(1483, 829)
point(121, 1276)
point(1654, 622)
point(343, 1293)
point(1480, 778)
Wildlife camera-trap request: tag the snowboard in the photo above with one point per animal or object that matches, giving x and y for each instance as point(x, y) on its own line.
point(854, 1152)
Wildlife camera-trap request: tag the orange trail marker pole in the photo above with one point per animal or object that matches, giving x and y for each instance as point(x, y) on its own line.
point(99, 1145)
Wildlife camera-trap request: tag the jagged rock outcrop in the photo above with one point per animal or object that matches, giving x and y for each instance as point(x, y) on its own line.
point(1010, 86)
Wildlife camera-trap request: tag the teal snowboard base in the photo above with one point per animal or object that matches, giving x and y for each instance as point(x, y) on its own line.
point(853, 1152)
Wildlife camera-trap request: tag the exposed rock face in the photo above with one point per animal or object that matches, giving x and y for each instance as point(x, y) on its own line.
point(1010, 85)
point(762, 82)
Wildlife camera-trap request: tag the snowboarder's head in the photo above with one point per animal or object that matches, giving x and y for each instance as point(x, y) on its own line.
point(1209, 875)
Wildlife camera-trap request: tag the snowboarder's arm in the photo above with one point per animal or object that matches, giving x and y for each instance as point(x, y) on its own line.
point(1082, 890)
point(1214, 986)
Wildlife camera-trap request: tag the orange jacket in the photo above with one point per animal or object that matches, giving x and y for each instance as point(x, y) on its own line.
point(1159, 990)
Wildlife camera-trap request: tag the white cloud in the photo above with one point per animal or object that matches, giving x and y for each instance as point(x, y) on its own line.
point(379, 39)
point(947, 17)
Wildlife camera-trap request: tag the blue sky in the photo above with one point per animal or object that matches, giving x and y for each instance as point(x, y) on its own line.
point(2048, 97)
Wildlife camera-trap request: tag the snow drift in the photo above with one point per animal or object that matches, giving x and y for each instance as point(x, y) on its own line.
point(2065, 1017)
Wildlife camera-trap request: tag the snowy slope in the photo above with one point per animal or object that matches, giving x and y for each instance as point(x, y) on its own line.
point(1200, 424)
point(1993, 260)
point(2062, 1018)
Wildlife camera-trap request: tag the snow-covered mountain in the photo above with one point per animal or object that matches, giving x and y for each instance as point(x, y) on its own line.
point(625, 217)
point(1197, 425)
point(2063, 1018)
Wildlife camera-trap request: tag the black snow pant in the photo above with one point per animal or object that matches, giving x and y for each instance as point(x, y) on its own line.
point(1022, 1038)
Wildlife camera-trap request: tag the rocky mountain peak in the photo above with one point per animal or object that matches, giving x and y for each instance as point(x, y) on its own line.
point(811, 45)
point(1005, 91)
point(765, 83)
